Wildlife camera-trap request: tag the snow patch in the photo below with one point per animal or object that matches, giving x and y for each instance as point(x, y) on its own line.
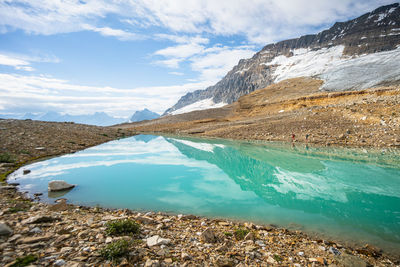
point(362, 72)
point(199, 105)
point(305, 62)
point(339, 72)
point(242, 71)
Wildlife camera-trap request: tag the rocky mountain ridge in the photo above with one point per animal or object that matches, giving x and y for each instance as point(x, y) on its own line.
point(144, 114)
point(355, 47)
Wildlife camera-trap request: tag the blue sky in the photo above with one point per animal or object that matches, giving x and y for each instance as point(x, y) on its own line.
point(81, 57)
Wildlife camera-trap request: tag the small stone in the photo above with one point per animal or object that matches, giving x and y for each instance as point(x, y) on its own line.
point(185, 256)
point(157, 240)
point(334, 251)
point(249, 236)
point(59, 262)
point(109, 239)
point(203, 224)
point(14, 238)
point(301, 253)
point(59, 185)
point(152, 263)
point(168, 261)
point(5, 230)
point(36, 230)
point(271, 260)
point(224, 262)
point(145, 220)
point(66, 249)
point(260, 243)
point(208, 236)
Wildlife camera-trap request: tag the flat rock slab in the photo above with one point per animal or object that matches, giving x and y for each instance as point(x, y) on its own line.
point(40, 219)
point(34, 239)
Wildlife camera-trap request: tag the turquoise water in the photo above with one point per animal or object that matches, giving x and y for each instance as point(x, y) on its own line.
point(346, 195)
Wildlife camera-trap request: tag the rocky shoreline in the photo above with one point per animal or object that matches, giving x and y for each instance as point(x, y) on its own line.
point(60, 234)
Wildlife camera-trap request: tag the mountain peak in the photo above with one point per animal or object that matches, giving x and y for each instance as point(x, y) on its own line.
point(144, 114)
point(352, 43)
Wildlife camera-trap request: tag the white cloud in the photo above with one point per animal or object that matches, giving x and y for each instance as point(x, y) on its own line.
point(117, 33)
point(22, 93)
point(212, 63)
point(259, 21)
point(176, 73)
point(17, 63)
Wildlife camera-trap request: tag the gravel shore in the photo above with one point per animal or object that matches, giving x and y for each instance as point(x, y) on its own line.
point(60, 234)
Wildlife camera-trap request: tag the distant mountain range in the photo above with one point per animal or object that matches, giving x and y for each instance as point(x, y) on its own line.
point(353, 55)
point(144, 114)
point(98, 118)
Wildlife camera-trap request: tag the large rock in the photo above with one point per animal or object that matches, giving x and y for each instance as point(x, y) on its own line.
point(59, 185)
point(5, 230)
point(156, 241)
point(208, 236)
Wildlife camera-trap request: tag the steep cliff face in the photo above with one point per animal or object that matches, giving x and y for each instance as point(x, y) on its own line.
point(357, 48)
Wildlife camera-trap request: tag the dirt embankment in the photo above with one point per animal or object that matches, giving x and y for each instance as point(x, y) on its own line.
point(296, 106)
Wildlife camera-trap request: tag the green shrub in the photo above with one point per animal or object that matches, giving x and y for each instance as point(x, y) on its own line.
point(277, 258)
point(6, 158)
point(122, 227)
point(24, 261)
point(240, 233)
point(115, 250)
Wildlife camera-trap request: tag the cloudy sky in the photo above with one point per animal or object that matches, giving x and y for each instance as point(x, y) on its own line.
point(79, 57)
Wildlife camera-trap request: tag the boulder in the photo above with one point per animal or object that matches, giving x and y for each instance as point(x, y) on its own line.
point(5, 230)
point(59, 185)
point(157, 240)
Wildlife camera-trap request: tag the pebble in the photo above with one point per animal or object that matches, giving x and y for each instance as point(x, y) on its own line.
point(59, 262)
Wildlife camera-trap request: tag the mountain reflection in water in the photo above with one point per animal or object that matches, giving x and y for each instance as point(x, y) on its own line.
point(341, 193)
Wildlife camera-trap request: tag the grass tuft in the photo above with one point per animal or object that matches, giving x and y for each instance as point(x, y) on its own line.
point(6, 158)
point(115, 250)
point(122, 227)
point(240, 233)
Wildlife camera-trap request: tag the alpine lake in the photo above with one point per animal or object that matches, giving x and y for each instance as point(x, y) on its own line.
point(347, 195)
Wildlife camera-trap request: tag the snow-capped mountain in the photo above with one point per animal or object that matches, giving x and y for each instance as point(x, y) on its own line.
point(144, 114)
point(353, 55)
